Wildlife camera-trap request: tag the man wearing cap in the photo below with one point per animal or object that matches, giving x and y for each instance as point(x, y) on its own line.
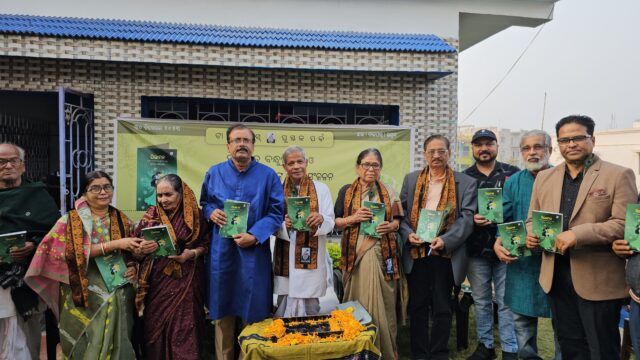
point(484, 266)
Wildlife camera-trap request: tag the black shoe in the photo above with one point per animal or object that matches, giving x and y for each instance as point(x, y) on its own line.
point(482, 353)
point(509, 355)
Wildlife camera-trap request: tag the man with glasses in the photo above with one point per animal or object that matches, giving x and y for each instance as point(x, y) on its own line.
point(240, 276)
point(433, 269)
point(301, 261)
point(523, 294)
point(584, 280)
point(484, 266)
point(24, 206)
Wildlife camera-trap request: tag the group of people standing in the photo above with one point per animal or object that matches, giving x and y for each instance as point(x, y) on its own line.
point(160, 313)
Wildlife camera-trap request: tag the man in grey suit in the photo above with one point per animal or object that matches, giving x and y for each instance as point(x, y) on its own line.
point(433, 266)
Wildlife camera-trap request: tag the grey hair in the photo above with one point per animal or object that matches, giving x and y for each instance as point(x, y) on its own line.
point(536, 132)
point(20, 150)
point(290, 150)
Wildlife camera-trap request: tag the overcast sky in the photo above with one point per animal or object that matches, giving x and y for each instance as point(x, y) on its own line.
point(587, 60)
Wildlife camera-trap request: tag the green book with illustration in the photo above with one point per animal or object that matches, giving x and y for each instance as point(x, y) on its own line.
point(112, 269)
point(161, 235)
point(369, 227)
point(153, 163)
point(237, 213)
point(632, 226)
point(298, 209)
point(430, 224)
point(514, 237)
point(490, 204)
point(547, 226)
point(8, 241)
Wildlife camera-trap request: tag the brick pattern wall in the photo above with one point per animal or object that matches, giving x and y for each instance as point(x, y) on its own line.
point(240, 56)
point(147, 69)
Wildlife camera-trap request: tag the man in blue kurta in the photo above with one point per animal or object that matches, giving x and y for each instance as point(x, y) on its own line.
point(240, 273)
point(523, 294)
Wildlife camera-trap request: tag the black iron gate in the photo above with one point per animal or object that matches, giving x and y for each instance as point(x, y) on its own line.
point(75, 121)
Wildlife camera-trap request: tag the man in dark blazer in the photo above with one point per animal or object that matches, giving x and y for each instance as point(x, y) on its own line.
point(585, 279)
point(433, 266)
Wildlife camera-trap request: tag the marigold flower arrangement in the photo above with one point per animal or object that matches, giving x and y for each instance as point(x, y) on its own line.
point(339, 321)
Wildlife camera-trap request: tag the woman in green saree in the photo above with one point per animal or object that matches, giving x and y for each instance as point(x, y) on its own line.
point(80, 270)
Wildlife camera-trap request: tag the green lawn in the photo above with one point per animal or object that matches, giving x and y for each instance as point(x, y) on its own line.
point(545, 340)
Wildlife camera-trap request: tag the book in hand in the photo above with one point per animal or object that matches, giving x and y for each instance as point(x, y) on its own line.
point(430, 224)
point(632, 226)
point(237, 213)
point(490, 204)
point(161, 235)
point(369, 227)
point(547, 226)
point(112, 269)
point(298, 209)
point(8, 241)
point(514, 237)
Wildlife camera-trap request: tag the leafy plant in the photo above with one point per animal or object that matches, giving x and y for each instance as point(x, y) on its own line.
point(334, 252)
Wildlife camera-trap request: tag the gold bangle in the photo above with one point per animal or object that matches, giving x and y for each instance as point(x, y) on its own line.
point(102, 248)
point(195, 253)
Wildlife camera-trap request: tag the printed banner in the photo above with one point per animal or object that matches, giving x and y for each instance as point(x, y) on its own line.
point(149, 149)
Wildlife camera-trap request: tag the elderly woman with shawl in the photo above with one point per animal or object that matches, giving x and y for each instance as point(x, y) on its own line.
point(77, 270)
point(370, 264)
point(171, 289)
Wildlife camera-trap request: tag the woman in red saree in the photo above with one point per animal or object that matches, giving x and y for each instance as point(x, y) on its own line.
point(170, 293)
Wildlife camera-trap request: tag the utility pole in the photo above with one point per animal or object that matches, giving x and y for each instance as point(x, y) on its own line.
point(544, 107)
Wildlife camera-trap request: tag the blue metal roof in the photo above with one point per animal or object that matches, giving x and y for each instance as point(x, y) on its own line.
point(218, 35)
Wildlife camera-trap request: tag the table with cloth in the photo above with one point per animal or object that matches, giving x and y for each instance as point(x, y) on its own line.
point(255, 346)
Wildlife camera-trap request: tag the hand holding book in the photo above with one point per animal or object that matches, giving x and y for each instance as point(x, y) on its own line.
point(361, 215)
point(622, 248)
point(565, 241)
point(23, 253)
point(502, 253)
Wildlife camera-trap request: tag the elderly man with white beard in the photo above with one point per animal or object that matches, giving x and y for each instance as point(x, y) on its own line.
point(523, 294)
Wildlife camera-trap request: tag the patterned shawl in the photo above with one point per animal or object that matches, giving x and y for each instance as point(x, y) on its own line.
point(447, 202)
point(186, 226)
point(75, 251)
point(303, 238)
point(352, 203)
point(62, 257)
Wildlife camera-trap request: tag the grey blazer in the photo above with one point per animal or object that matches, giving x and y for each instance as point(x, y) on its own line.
point(456, 237)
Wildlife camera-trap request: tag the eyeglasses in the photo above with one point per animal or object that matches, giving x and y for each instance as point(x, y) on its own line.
point(238, 141)
point(536, 147)
point(97, 189)
point(367, 166)
point(576, 139)
point(14, 162)
point(440, 152)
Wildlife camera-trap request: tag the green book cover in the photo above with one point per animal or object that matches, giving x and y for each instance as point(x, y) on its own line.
point(9, 241)
point(298, 209)
point(369, 227)
point(490, 204)
point(546, 226)
point(161, 235)
point(429, 224)
point(112, 269)
point(153, 163)
point(514, 237)
point(632, 226)
point(237, 216)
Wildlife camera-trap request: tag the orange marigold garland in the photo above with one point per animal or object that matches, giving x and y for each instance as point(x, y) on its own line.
point(276, 329)
point(339, 321)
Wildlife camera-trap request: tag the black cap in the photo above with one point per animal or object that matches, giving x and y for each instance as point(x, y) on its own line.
point(484, 133)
